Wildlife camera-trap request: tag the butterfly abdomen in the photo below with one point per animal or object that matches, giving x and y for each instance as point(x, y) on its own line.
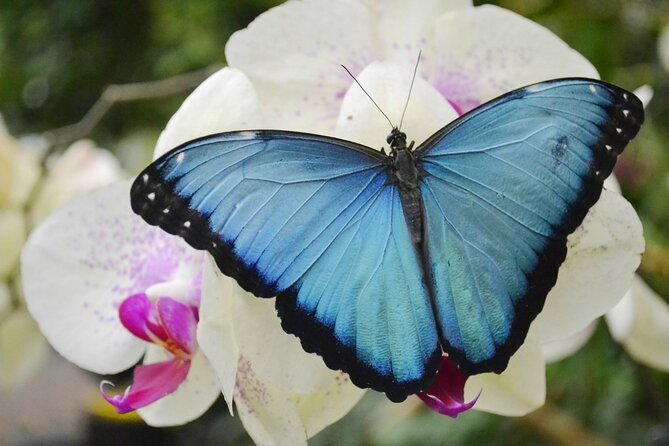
point(406, 174)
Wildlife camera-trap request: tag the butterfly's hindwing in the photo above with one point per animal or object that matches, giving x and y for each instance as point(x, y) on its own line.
point(503, 187)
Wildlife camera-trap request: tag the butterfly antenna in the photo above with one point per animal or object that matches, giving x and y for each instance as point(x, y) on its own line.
point(415, 70)
point(370, 98)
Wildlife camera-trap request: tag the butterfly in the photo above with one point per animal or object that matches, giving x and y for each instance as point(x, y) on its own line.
point(382, 262)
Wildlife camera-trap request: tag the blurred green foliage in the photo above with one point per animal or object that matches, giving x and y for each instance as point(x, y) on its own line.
point(56, 57)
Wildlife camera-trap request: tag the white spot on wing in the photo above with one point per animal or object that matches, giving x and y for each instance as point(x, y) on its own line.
point(180, 157)
point(145, 178)
point(151, 196)
point(626, 113)
point(166, 211)
point(593, 89)
point(186, 224)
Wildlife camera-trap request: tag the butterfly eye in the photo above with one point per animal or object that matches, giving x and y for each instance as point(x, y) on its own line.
point(390, 138)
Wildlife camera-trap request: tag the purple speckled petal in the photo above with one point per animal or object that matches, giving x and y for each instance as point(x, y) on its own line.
point(179, 323)
point(82, 262)
point(446, 396)
point(476, 54)
point(150, 383)
point(405, 29)
point(139, 315)
point(292, 54)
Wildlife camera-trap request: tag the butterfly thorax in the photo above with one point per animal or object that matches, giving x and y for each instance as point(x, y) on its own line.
point(407, 177)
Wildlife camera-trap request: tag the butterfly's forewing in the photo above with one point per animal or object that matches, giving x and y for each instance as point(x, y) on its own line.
point(503, 188)
point(315, 221)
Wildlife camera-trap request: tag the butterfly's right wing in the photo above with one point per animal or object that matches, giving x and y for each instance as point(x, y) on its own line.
point(503, 187)
point(315, 221)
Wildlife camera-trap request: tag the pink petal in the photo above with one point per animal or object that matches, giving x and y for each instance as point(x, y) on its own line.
point(138, 314)
point(447, 394)
point(179, 323)
point(150, 383)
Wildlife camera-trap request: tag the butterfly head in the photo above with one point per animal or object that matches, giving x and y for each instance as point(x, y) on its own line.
point(398, 140)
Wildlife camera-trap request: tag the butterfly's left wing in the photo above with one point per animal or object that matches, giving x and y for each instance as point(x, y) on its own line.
point(315, 221)
point(503, 187)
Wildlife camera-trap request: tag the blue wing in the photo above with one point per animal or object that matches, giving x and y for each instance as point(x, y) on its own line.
point(503, 186)
point(314, 221)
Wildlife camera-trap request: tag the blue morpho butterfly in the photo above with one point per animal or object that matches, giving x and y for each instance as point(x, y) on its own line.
point(381, 262)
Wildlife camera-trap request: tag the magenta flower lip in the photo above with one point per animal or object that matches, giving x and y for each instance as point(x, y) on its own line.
point(169, 324)
point(447, 394)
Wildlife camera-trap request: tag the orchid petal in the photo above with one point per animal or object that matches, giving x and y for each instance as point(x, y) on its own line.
point(645, 94)
point(360, 121)
point(12, 237)
point(269, 414)
point(179, 322)
point(198, 391)
point(81, 168)
point(560, 349)
point(215, 331)
point(480, 53)
point(446, 395)
point(320, 409)
point(225, 101)
point(82, 262)
point(603, 254)
point(663, 47)
point(264, 343)
point(405, 28)
point(620, 319)
point(292, 54)
point(139, 315)
point(23, 349)
point(19, 171)
point(149, 384)
point(647, 341)
point(520, 389)
point(5, 301)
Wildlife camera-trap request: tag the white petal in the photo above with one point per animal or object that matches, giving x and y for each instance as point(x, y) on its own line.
point(620, 318)
point(269, 414)
point(360, 121)
point(5, 300)
point(19, 170)
point(80, 264)
point(603, 254)
point(23, 349)
point(480, 53)
point(648, 340)
point(645, 93)
point(321, 409)
point(292, 54)
point(215, 332)
point(663, 47)
point(81, 168)
point(277, 357)
point(557, 350)
point(520, 389)
point(611, 183)
point(405, 27)
point(225, 101)
point(12, 237)
point(193, 397)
